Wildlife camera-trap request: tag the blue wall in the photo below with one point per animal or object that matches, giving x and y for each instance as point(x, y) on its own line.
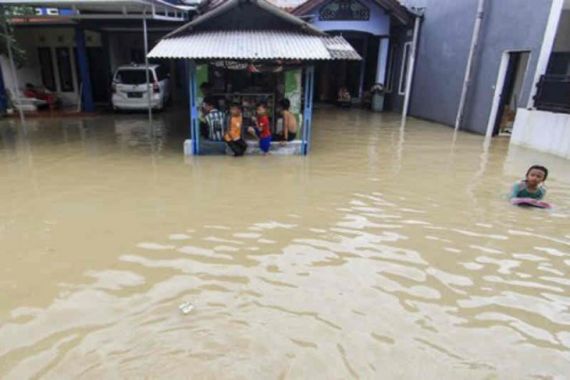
point(444, 47)
point(378, 24)
point(510, 25)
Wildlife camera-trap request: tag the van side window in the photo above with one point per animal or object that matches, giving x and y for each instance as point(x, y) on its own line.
point(161, 73)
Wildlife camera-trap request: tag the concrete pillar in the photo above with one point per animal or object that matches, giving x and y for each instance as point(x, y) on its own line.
point(193, 105)
point(382, 66)
point(363, 66)
point(87, 104)
point(308, 90)
point(3, 97)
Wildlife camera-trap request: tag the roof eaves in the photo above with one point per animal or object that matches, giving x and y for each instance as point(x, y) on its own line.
point(397, 10)
point(205, 17)
point(305, 26)
point(263, 4)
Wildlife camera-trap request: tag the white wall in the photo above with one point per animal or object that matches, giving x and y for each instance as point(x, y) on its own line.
point(547, 132)
point(562, 42)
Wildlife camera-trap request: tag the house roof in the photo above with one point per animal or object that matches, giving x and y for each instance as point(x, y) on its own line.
point(260, 13)
point(397, 10)
point(208, 5)
point(253, 45)
point(251, 30)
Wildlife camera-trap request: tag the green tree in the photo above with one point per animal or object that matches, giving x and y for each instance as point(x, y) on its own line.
point(7, 32)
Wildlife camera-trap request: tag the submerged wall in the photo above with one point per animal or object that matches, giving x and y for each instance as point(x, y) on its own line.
point(547, 132)
point(32, 39)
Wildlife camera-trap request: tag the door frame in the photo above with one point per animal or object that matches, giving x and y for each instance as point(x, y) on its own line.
point(498, 87)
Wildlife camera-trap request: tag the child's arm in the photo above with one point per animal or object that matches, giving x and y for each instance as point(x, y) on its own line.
point(515, 191)
point(251, 131)
point(227, 136)
point(286, 126)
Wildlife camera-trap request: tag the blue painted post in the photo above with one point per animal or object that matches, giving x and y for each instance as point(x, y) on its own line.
point(308, 108)
point(194, 119)
point(87, 103)
point(363, 67)
point(3, 98)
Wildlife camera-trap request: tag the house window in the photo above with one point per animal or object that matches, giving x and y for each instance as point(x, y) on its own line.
point(404, 71)
point(64, 69)
point(344, 10)
point(46, 67)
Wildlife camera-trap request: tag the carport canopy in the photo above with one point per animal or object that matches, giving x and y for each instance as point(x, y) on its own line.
point(80, 11)
point(109, 9)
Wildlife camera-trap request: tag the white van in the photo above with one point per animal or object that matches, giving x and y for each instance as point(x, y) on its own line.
point(130, 91)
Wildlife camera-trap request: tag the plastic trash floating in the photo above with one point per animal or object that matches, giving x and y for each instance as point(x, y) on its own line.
point(186, 307)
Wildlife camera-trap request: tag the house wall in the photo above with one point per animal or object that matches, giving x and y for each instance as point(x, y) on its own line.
point(511, 25)
point(562, 42)
point(443, 50)
point(378, 24)
point(30, 39)
point(400, 36)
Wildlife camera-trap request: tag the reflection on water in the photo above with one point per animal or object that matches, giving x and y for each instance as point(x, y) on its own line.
point(388, 253)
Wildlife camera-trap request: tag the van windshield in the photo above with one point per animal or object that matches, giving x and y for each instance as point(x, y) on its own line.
point(133, 76)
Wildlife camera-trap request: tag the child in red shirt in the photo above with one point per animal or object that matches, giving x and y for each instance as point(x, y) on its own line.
point(261, 129)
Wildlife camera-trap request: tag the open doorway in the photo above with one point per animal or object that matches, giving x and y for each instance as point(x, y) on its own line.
point(510, 85)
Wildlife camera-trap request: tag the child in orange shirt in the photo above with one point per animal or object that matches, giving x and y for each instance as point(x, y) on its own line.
point(233, 136)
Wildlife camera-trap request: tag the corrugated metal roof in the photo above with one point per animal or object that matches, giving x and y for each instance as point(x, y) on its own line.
point(244, 11)
point(254, 45)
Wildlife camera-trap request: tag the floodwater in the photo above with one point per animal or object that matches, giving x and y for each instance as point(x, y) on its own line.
point(388, 253)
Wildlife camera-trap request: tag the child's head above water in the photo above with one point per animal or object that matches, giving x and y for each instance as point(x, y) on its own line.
point(209, 103)
point(285, 104)
point(535, 175)
point(261, 109)
point(235, 109)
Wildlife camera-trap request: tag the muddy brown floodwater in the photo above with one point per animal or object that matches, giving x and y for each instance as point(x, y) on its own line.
point(385, 254)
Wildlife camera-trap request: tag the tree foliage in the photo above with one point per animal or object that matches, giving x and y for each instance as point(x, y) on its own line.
point(7, 32)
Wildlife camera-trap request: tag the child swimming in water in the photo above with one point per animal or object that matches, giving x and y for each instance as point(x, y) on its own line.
point(531, 186)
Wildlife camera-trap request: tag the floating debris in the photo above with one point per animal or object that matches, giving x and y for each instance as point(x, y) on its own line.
point(186, 307)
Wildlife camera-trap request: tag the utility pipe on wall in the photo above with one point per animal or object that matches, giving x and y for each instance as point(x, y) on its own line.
point(470, 59)
point(148, 90)
point(411, 67)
